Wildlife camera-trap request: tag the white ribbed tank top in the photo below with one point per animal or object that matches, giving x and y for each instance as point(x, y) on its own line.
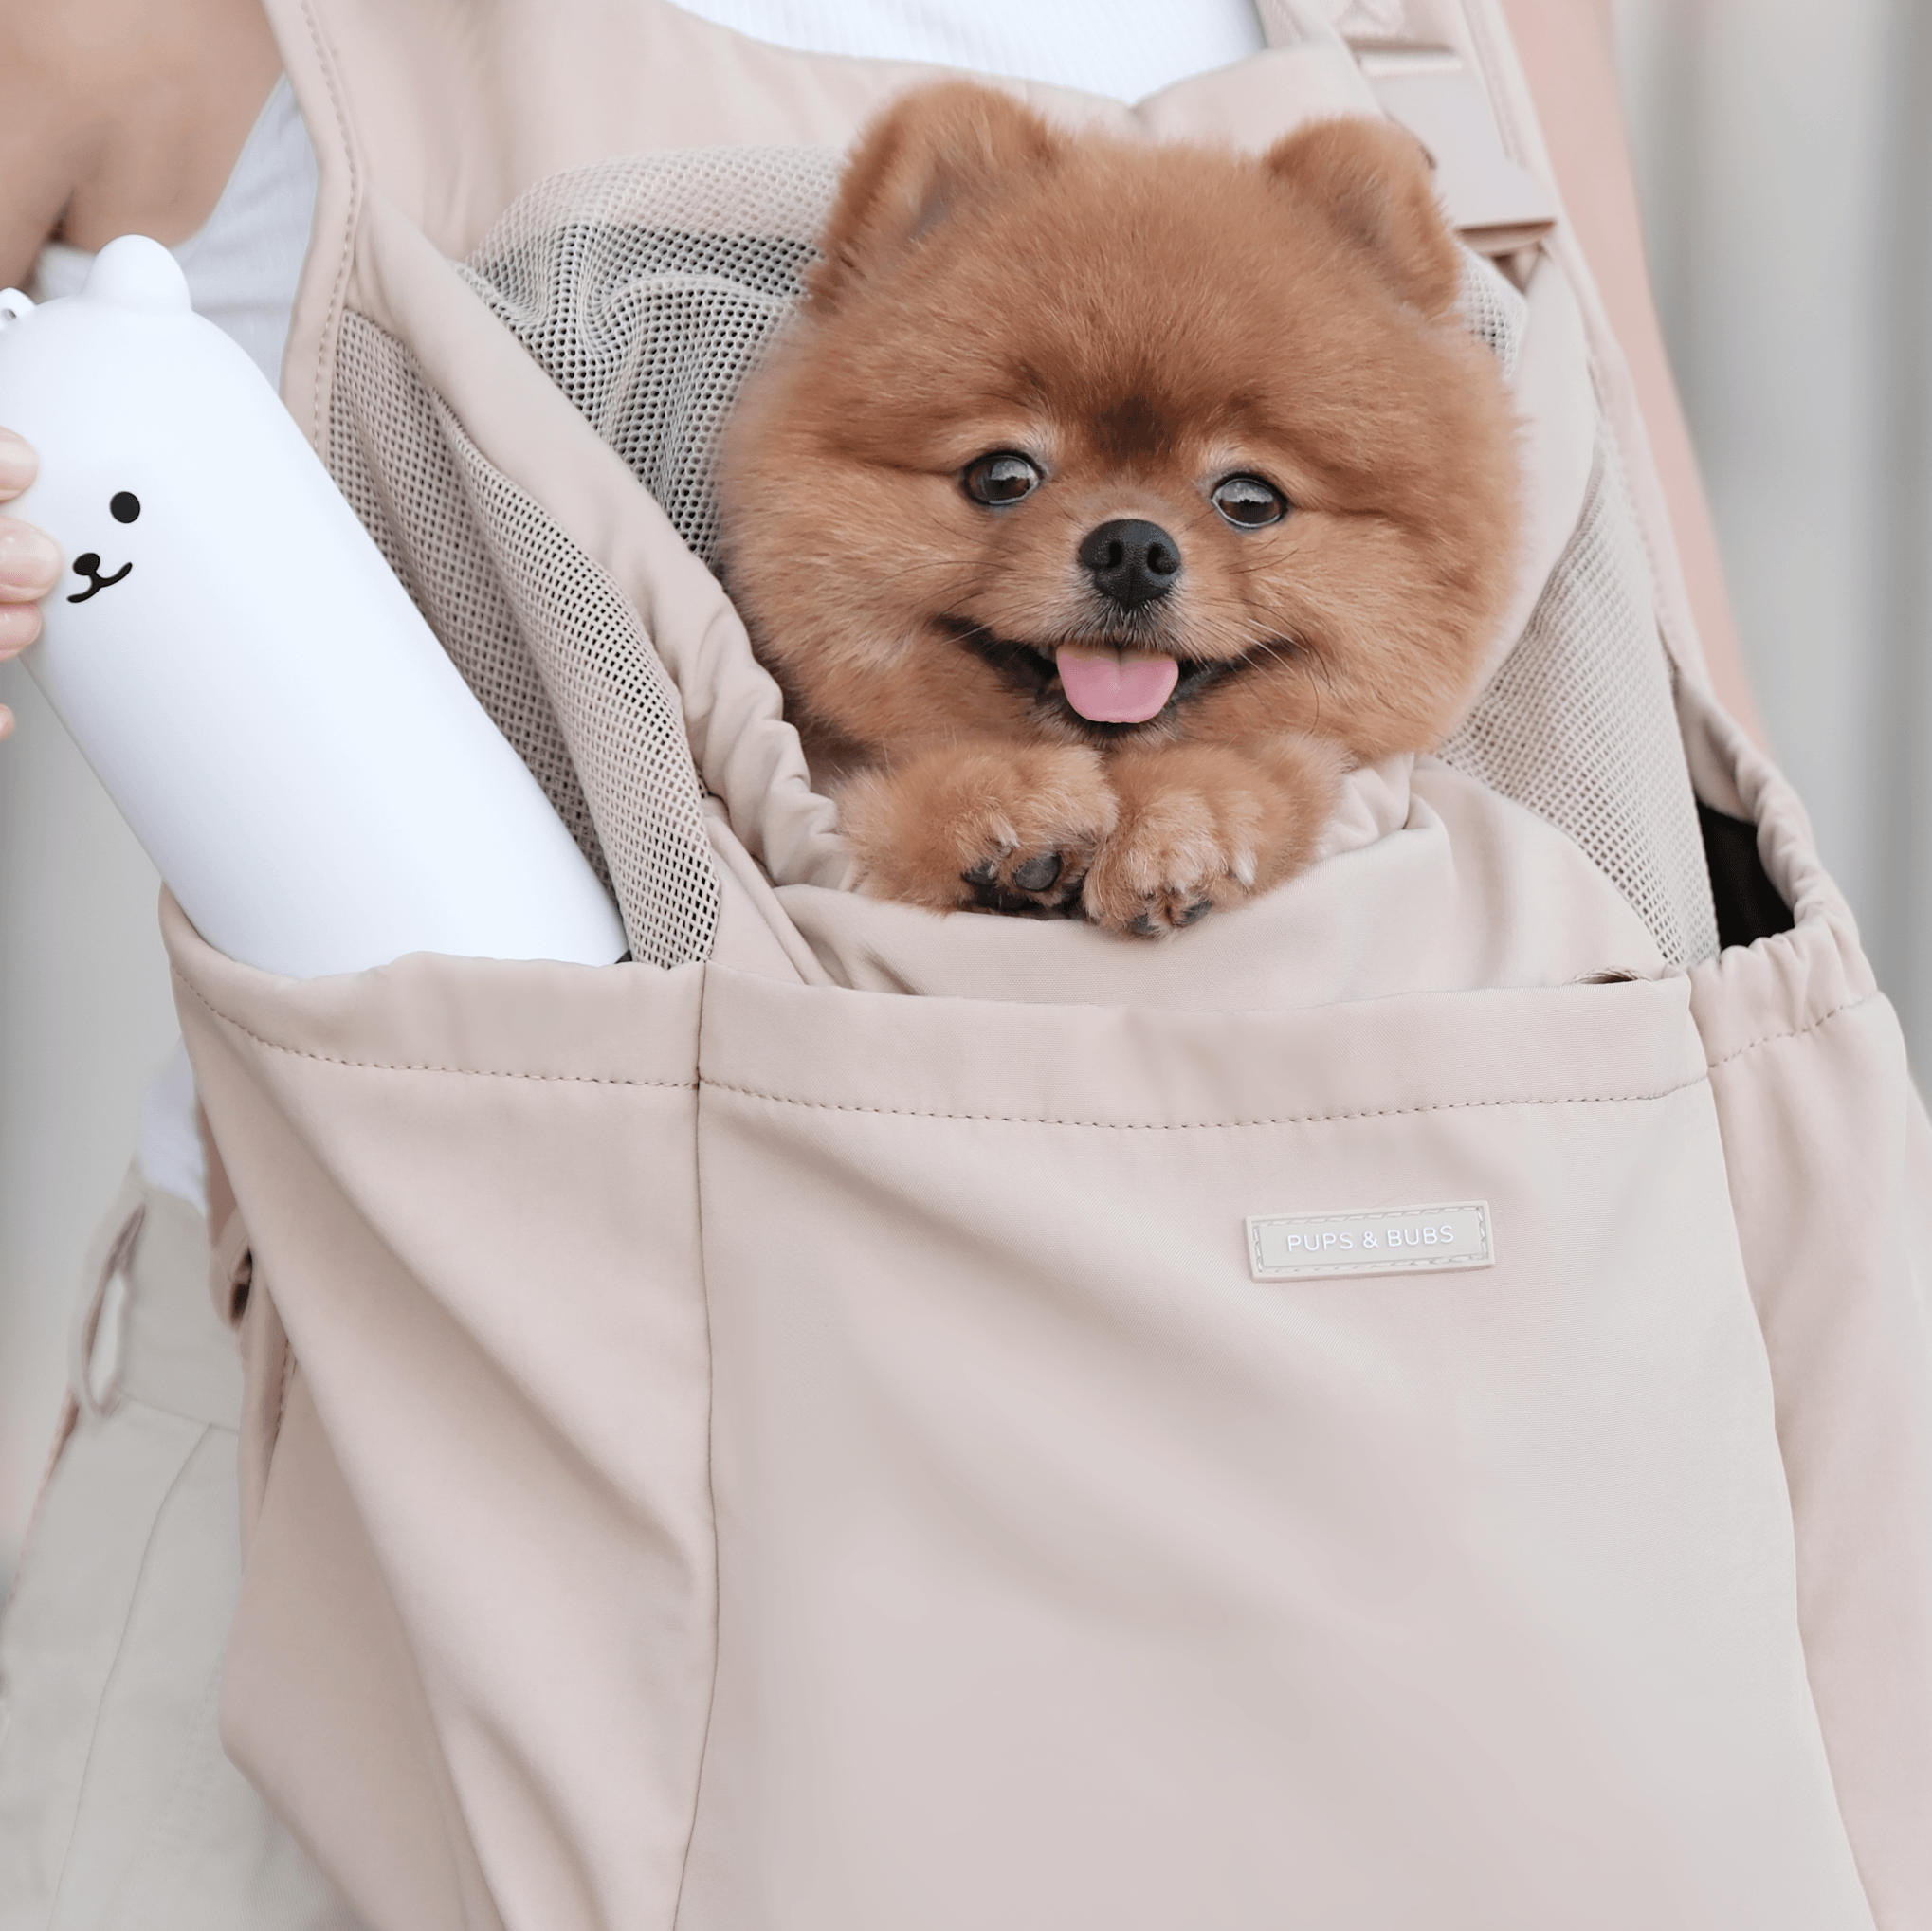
point(1125, 49)
point(242, 265)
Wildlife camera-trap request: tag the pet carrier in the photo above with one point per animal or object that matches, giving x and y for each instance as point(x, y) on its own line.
point(855, 1419)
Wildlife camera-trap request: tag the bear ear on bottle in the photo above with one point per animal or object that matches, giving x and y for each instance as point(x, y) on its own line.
point(257, 692)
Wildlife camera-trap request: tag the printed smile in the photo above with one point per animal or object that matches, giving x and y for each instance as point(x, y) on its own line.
point(89, 567)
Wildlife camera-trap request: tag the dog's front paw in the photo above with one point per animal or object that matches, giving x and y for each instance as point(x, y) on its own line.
point(1204, 827)
point(1175, 857)
point(993, 826)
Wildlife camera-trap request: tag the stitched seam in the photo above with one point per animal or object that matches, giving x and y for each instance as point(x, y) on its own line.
point(423, 1065)
point(1204, 1125)
point(331, 327)
point(1795, 1033)
point(711, 1496)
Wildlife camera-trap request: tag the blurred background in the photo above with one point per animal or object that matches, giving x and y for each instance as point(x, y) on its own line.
point(1783, 153)
point(85, 1020)
point(1784, 158)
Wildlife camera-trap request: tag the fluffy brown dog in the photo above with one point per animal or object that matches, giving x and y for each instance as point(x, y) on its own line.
point(1108, 499)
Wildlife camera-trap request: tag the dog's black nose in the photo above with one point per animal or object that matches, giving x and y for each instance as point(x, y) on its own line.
point(1131, 561)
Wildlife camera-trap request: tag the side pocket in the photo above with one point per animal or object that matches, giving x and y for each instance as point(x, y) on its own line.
point(1829, 1172)
point(1830, 1168)
point(478, 1604)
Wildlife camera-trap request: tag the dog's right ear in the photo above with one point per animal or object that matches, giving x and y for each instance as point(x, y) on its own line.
point(936, 150)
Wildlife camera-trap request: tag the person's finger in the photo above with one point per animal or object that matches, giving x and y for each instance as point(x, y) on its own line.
point(18, 464)
point(19, 626)
point(6, 721)
point(30, 562)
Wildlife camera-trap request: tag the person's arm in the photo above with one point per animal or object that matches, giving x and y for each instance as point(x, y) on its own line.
point(1569, 56)
point(117, 116)
point(122, 117)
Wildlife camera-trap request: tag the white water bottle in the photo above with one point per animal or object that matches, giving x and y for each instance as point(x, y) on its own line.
point(257, 692)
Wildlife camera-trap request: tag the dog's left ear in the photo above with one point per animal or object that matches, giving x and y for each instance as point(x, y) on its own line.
point(934, 151)
point(1372, 181)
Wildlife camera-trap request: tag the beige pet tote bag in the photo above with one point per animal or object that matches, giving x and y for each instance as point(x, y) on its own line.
point(856, 1422)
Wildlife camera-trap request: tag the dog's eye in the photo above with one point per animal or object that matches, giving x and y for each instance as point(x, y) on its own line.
point(1249, 503)
point(1001, 478)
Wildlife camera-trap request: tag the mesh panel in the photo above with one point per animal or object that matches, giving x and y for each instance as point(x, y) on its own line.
point(1579, 726)
point(647, 290)
point(1493, 311)
point(388, 457)
point(550, 644)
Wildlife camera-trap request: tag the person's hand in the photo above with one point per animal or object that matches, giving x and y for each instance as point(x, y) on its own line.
point(30, 560)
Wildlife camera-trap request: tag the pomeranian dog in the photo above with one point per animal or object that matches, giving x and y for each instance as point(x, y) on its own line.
point(1108, 499)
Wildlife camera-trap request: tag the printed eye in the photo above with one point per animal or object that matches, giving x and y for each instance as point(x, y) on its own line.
point(1002, 477)
point(124, 507)
point(1249, 502)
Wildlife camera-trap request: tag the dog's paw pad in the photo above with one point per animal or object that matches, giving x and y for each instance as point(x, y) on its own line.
point(1038, 874)
point(1023, 878)
point(1165, 916)
point(1046, 881)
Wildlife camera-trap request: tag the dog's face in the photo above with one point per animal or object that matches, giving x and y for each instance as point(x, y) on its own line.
point(1083, 440)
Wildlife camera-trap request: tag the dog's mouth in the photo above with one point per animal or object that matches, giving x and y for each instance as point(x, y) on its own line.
point(1111, 686)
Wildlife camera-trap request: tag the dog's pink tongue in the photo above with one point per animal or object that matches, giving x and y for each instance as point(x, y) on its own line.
point(1112, 689)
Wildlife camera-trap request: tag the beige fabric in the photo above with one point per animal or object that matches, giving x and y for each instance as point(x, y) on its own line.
point(430, 181)
point(342, 1745)
point(749, 759)
point(1465, 917)
point(771, 1451)
point(552, 1387)
point(1590, 661)
point(1578, 724)
point(1480, 31)
point(646, 288)
point(117, 1810)
point(1156, 1577)
point(910, 1329)
point(1830, 1163)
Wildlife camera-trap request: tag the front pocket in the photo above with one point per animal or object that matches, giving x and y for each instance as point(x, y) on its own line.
point(1403, 1599)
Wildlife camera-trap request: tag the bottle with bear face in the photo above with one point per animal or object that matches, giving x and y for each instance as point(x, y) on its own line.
point(255, 689)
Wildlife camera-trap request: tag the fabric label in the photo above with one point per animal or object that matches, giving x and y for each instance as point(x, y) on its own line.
point(1385, 1240)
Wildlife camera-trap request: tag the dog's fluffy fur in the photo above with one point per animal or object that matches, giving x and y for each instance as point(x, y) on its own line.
point(1142, 322)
